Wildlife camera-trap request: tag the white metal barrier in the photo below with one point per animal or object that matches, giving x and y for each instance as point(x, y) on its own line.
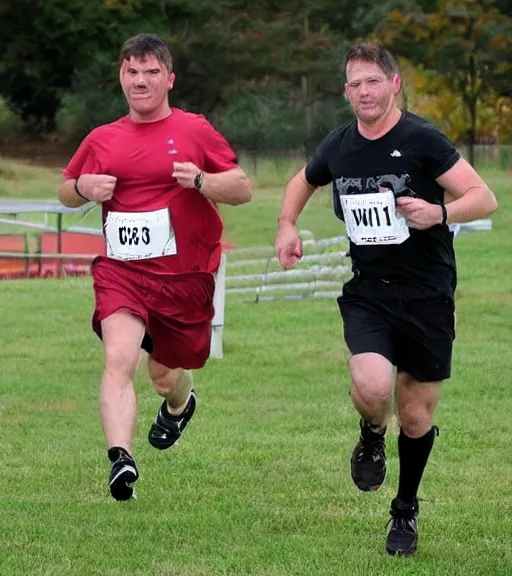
point(218, 302)
point(320, 273)
point(257, 272)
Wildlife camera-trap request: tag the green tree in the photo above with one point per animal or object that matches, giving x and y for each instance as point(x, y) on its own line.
point(61, 55)
point(41, 43)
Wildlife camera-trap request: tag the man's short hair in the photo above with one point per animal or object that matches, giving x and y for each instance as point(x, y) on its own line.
point(373, 52)
point(143, 45)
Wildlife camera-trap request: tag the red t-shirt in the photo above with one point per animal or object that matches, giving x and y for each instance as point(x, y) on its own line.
point(141, 156)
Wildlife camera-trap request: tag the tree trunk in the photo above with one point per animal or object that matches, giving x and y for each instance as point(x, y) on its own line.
point(472, 130)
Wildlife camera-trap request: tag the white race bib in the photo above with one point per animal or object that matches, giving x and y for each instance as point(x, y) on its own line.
point(372, 219)
point(139, 235)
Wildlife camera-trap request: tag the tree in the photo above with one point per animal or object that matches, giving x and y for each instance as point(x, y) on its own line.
point(61, 56)
point(42, 42)
point(465, 42)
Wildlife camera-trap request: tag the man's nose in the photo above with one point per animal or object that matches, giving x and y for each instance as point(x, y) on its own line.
point(140, 80)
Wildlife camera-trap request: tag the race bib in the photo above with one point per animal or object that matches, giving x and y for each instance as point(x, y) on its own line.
point(372, 219)
point(139, 235)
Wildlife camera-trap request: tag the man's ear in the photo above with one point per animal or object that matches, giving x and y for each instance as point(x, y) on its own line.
point(397, 84)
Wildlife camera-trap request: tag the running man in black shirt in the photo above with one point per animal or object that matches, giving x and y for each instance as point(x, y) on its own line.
point(396, 183)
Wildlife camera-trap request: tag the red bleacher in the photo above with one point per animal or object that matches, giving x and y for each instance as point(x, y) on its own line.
point(35, 266)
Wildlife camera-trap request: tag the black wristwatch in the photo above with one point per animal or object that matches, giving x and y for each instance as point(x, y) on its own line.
point(198, 180)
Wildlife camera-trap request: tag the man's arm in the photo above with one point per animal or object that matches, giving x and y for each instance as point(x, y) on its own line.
point(467, 196)
point(296, 194)
point(68, 196)
point(91, 188)
point(230, 187)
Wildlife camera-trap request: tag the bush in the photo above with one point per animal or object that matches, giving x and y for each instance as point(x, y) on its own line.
point(10, 124)
point(96, 98)
point(273, 120)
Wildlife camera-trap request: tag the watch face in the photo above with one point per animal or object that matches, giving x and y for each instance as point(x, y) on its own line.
point(198, 180)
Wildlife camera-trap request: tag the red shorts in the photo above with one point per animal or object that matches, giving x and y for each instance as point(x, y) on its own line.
point(177, 310)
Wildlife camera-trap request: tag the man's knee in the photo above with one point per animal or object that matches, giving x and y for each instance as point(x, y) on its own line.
point(122, 334)
point(416, 404)
point(372, 378)
point(164, 379)
point(416, 419)
point(120, 361)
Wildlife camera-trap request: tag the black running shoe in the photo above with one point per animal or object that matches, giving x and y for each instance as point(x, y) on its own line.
point(402, 539)
point(166, 429)
point(124, 474)
point(368, 462)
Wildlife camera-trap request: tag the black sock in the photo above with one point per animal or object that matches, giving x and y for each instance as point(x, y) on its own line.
point(115, 452)
point(413, 455)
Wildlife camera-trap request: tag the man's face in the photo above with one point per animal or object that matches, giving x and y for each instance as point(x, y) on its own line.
point(370, 92)
point(145, 84)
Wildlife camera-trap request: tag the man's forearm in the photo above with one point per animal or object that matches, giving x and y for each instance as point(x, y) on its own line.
point(296, 195)
point(68, 196)
point(230, 187)
point(477, 202)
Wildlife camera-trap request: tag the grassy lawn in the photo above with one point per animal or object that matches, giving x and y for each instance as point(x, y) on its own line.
point(260, 482)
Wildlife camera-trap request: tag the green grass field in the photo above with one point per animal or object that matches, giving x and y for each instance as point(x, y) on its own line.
point(260, 482)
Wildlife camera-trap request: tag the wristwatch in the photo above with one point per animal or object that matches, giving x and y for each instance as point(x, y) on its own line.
point(198, 180)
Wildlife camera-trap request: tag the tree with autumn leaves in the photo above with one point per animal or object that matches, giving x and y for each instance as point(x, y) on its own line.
point(462, 48)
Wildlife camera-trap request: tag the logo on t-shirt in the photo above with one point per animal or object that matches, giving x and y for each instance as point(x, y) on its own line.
point(172, 149)
point(396, 154)
point(397, 183)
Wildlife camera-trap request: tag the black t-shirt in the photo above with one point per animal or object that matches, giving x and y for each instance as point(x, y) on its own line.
point(410, 156)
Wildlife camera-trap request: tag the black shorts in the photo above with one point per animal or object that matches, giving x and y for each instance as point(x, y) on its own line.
point(414, 330)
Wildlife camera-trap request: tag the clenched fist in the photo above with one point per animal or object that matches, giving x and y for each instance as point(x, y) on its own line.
point(185, 173)
point(288, 246)
point(419, 213)
point(97, 187)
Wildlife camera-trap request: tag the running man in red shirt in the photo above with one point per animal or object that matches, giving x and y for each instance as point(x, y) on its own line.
point(158, 174)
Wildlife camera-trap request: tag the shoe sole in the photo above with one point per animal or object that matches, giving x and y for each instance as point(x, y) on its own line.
point(401, 552)
point(368, 488)
point(365, 487)
point(161, 446)
point(120, 486)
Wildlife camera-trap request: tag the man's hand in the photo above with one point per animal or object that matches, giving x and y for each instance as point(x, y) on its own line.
point(419, 213)
point(185, 173)
point(288, 246)
point(97, 187)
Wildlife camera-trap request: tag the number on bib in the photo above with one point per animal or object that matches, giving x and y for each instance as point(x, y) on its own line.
point(372, 219)
point(139, 235)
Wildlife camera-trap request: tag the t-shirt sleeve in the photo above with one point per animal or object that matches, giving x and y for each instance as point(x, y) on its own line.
point(218, 156)
point(317, 169)
point(84, 161)
point(439, 153)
